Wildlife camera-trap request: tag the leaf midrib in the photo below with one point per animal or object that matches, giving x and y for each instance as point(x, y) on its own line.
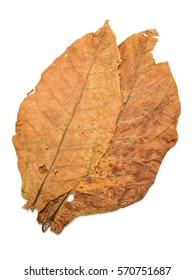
point(67, 126)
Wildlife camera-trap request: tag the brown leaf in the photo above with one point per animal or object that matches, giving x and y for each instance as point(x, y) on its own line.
point(140, 132)
point(65, 127)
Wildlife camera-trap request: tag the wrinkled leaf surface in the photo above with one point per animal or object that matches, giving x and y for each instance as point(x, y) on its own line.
point(64, 128)
point(98, 126)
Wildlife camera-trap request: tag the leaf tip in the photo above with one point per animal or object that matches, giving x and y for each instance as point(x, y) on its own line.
point(151, 33)
point(106, 22)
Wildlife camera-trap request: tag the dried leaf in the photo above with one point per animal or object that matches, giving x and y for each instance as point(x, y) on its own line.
point(65, 127)
point(115, 135)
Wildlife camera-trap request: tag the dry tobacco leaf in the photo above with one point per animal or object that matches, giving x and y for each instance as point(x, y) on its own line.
point(115, 135)
point(65, 126)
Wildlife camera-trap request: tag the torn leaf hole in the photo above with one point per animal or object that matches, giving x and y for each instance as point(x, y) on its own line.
point(70, 197)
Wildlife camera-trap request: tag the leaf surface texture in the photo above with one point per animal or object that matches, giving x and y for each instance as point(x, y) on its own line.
point(97, 127)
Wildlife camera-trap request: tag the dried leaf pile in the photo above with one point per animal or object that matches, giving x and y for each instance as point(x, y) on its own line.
point(97, 127)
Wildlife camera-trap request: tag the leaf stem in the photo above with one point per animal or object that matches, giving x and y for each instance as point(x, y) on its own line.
point(47, 221)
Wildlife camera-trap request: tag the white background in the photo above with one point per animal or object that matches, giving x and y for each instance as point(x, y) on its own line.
point(158, 231)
